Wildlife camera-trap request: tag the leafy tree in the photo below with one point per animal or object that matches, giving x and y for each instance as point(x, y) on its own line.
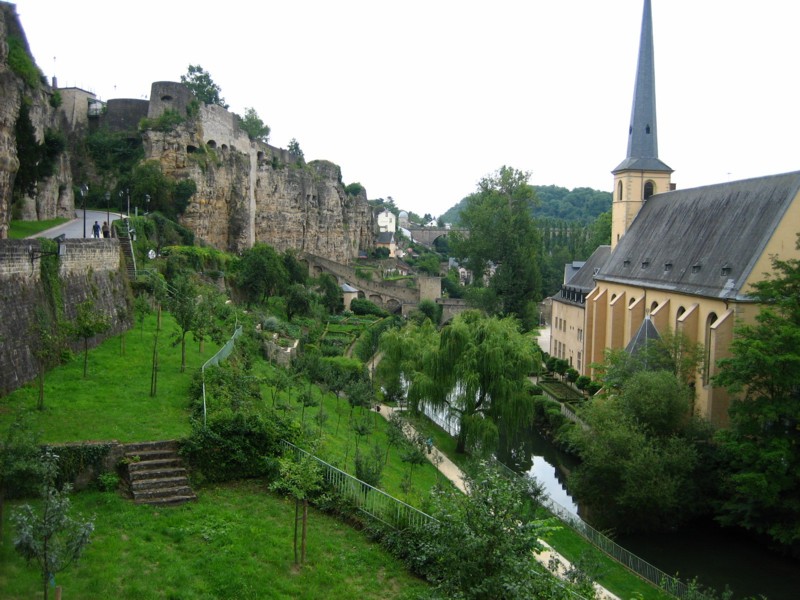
point(252, 124)
point(184, 308)
point(298, 301)
point(20, 462)
point(296, 269)
point(484, 542)
point(47, 344)
point(301, 477)
point(51, 538)
point(202, 86)
point(331, 293)
point(294, 148)
point(428, 309)
point(260, 273)
point(502, 233)
point(762, 445)
point(87, 324)
point(37, 161)
point(477, 374)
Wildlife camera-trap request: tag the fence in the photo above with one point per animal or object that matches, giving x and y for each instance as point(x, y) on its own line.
point(370, 500)
point(602, 542)
point(221, 354)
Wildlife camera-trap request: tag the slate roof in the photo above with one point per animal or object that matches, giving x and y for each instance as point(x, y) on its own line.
point(385, 237)
point(647, 333)
point(582, 281)
point(702, 241)
point(571, 269)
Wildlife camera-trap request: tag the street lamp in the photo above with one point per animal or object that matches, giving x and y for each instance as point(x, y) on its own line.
point(147, 203)
point(108, 212)
point(84, 193)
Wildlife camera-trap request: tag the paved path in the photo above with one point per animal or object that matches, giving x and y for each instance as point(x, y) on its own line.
point(547, 557)
point(75, 228)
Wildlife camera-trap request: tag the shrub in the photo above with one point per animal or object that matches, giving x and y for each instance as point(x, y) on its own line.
point(21, 63)
point(362, 306)
point(583, 382)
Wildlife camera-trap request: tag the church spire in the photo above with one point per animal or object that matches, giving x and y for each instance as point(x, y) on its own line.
point(642, 133)
point(642, 173)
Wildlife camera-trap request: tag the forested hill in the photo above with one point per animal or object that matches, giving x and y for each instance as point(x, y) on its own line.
point(581, 205)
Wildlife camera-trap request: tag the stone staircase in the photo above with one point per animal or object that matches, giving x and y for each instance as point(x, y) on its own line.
point(126, 247)
point(156, 474)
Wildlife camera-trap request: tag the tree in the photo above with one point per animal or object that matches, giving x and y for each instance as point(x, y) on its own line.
point(52, 538)
point(253, 126)
point(294, 148)
point(202, 86)
point(762, 445)
point(502, 233)
point(47, 344)
point(300, 477)
point(477, 374)
point(484, 542)
point(20, 462)
point(331, 293)
point(184, 308)
point(87, 324)
point(261, 273)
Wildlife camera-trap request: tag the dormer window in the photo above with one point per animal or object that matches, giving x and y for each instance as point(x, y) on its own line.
point(726, 270)
point(667, 267)
point(645, 264)
point(696, 267)
point(626, 263)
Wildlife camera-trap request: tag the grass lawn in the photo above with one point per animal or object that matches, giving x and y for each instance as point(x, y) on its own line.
point(22, 229)
point(113, 402)
point(234, 542)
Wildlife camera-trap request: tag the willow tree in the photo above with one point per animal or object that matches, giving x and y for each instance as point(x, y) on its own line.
point(403, 351)
point(478, 373)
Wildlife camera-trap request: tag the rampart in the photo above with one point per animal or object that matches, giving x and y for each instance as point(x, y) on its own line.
point(88, 269)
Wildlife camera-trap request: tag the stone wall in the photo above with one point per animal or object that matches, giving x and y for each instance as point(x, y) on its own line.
point(87, 269)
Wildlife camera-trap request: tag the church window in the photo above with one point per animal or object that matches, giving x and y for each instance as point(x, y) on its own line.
point(653, 307)
point(678, 316)
point(712, 317)
point(631, 301)
point(667, 267)
point(619, 191)
point(649, 189)
point(647, 130)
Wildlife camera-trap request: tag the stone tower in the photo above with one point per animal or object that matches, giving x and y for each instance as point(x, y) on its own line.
point(641, 174)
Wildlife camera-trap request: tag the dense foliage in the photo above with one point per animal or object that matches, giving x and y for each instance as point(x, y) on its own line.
point(202, 86)
point(503, 244)
point(762, 445)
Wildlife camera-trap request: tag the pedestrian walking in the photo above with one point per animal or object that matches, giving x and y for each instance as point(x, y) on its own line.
point(96, 230)
point(106, 230)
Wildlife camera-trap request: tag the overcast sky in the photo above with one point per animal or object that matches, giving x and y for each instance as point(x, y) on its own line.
point(418, 100)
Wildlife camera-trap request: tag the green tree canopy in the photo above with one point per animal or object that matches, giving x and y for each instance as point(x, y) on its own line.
point(252, 124)
point(202, 86)
point(260, 273)
point(503, 236)
point(762, 445)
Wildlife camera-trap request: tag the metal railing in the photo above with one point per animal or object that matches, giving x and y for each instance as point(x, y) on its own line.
point(366, 498)
point(602, 542)
point(221, 354)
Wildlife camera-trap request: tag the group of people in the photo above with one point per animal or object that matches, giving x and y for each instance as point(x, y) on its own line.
point(96, 229)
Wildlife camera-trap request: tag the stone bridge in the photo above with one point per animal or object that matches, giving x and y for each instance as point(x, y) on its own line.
point(428, 235)
point(394, 296)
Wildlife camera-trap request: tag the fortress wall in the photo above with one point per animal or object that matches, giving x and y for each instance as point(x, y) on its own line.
point(89, 269)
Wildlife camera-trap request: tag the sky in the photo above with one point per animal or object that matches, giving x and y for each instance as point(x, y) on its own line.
point(418, 100)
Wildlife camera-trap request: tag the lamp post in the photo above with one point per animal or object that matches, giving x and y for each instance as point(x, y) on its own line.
point(147, 203)
point(84, 193)
point(108, 212)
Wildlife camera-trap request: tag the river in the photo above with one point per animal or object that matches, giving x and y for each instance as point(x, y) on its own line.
point(716, 557)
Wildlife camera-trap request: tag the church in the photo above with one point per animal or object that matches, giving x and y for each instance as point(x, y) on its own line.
point(679, 260)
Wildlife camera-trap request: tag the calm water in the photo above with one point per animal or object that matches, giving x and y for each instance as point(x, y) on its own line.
point(716, 557)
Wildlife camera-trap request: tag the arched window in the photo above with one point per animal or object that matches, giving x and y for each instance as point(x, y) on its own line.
point(631, 301)
point(619, 191)
point(653, 306)
point(712, 317)
point(649, 189)
point(678, 316)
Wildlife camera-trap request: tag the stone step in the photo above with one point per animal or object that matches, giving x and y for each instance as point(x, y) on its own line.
point(167, 500)
point(139, 447)
point(161, 493)
point(150, 456)
point(147, 485)
point(171, 471)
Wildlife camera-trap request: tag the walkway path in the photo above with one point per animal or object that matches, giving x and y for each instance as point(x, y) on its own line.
point(449, 469)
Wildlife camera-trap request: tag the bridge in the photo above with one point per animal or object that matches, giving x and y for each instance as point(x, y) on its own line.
point(428, 235)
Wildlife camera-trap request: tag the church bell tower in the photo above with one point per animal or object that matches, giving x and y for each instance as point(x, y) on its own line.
point(641, 174)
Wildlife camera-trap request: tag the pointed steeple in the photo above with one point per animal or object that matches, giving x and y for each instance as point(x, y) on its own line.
point(643, 132)
point(641, 174)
